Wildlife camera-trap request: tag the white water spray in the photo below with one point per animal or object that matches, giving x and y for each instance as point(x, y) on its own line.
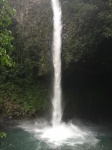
point(57, 25)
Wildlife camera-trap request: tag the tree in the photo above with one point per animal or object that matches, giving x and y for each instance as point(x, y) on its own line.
point(5, 35)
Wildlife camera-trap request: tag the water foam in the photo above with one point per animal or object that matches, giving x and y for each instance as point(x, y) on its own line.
point(63, 134)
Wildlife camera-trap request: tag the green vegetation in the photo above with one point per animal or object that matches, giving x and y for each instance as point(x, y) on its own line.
point(21, 93)
point(5, 34)
point(3, 135)
point(22, 99)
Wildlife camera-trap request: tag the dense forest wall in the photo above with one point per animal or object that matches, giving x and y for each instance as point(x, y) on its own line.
point(86, 57)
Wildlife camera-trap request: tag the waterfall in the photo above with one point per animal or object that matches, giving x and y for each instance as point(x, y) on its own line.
point(56, 52)
point(60, 133)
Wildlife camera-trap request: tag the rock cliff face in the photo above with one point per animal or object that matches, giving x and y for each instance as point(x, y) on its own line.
point(24, 7)
point(33, 33)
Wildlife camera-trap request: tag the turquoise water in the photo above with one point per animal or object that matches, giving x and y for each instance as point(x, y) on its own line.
point(18, 139)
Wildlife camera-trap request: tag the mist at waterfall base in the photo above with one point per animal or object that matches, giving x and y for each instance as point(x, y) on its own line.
point(60, 135)
point(28, 139)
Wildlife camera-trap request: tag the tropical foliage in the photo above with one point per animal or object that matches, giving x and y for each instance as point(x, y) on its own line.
point(3, 135)
point(5, 34)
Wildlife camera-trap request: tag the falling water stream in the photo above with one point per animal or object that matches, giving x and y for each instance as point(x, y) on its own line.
point(57, 23)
